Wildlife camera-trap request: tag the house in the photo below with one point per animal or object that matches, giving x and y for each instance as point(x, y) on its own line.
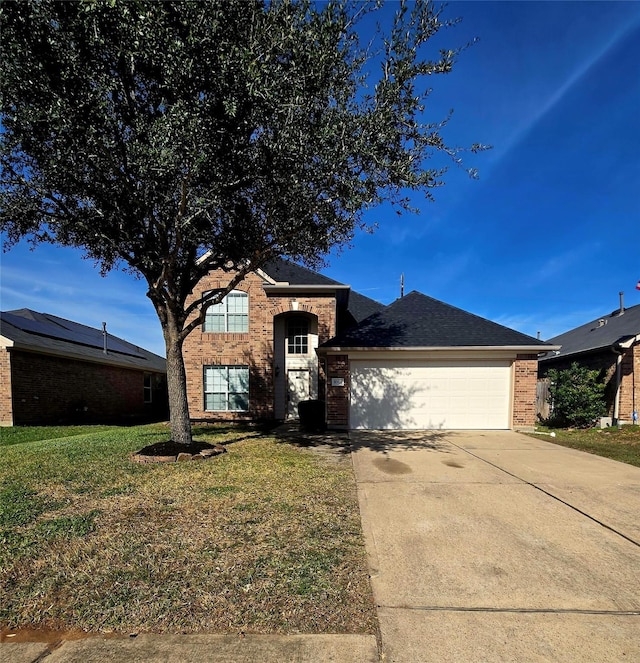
point(54, 370)
point(611, 345)
point(255, 355)
point(288, 334)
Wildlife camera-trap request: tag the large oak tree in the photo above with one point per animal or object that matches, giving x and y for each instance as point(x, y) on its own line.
point(173, 138)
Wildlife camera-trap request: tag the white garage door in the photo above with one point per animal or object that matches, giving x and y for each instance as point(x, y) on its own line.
point(418, 395)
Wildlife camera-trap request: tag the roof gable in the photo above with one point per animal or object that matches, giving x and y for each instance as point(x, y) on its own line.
point(352, 306)
point(600, 333)
point(419, 321)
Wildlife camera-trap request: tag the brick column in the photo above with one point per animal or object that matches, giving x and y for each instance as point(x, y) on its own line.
point(6, 399)
point(338, 395)
point(525, 376)
point(630, 384)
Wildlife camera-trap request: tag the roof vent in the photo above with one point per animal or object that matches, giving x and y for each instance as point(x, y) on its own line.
point(602, 322)
point(621, 293)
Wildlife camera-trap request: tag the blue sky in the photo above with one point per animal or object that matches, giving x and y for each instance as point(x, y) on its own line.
point(543, 241)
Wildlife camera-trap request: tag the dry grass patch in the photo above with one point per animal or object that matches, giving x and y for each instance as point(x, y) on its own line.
point(265, 538)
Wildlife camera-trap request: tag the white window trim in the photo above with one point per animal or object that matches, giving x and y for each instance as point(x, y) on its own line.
point(226, 393)
point(298, 320)
point(225, 314)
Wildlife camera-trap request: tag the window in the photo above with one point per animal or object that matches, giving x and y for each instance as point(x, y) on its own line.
point(230, 315)
point(298, 336)
point(226, 388)
point(147, 389)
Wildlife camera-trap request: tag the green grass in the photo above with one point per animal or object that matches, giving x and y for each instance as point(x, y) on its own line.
point(265, 538)
point(22, 434)
point(618, 444)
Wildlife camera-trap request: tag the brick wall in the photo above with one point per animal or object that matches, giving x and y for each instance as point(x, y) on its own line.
point(49, 390)
point(6, 405)
point(525, 376)
point(630, 383)
point(253, 349)
point(338, 396)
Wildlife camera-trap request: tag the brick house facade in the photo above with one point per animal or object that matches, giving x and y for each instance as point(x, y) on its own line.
point(250, 359)
point(46, 379)
point(260, 350)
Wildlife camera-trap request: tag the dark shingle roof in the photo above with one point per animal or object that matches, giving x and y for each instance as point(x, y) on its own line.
point(43, 332)
point(354, 308)
point(418, 321)
point(596, 335)
point(284, 270)
point(361, 307)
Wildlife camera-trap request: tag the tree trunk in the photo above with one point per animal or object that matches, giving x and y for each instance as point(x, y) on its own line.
point(177, 387)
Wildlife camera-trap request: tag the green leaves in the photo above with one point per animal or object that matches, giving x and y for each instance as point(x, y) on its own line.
point(150, 133)
point(577, 396)
point(262, 113)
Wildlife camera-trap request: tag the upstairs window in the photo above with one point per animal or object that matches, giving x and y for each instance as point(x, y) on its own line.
point(230, 315)
point(298, 336)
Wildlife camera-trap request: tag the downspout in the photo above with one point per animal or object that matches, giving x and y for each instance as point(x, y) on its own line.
point(620, 347)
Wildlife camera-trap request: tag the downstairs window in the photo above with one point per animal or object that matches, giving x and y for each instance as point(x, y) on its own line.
point(226, 388)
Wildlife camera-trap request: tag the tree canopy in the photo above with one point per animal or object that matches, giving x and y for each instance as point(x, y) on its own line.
point(173, 138)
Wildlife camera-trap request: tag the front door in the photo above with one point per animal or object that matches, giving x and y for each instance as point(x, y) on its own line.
point(297, 390)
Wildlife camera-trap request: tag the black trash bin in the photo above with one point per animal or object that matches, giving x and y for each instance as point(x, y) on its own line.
point(311, 415)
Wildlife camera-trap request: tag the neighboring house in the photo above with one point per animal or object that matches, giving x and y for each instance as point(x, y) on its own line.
point(611, 345)
point(54, 370)
point(288, 334)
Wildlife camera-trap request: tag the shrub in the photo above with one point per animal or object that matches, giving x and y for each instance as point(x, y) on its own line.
point(576, 397)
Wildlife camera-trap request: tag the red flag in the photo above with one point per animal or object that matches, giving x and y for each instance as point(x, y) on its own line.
point(638, 285)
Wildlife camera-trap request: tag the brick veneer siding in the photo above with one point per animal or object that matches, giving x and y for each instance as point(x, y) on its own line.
point(50, 390)
point(253, 349)
point(338, 396)
point(629, 384)
point(525, 377)
point(6, 403)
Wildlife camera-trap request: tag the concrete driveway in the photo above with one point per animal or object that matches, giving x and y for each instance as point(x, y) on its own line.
point(494, 546)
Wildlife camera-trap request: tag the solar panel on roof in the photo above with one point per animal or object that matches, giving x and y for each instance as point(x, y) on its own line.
point(73, 332)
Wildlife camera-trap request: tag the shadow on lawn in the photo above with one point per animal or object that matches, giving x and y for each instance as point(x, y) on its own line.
point(236, 432)
point(335, 442)
point(381, 441)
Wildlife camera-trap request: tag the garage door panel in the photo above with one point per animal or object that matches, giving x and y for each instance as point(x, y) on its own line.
point(419, 395)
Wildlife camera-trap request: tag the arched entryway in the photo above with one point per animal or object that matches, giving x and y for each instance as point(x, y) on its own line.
point(295, 361)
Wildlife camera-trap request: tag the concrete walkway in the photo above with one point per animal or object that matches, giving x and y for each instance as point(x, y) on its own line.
point(497, 547)
point(198, 649)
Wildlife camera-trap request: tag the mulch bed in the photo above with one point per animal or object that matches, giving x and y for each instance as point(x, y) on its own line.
point(172, 452)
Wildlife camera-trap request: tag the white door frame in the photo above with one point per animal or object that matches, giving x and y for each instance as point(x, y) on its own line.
point(299, 395)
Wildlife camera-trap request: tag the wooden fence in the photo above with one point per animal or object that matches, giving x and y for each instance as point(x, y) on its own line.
point(542, 395)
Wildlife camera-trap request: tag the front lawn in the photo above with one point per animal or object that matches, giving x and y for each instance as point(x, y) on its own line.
point(619, 444)
point(265, 538)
